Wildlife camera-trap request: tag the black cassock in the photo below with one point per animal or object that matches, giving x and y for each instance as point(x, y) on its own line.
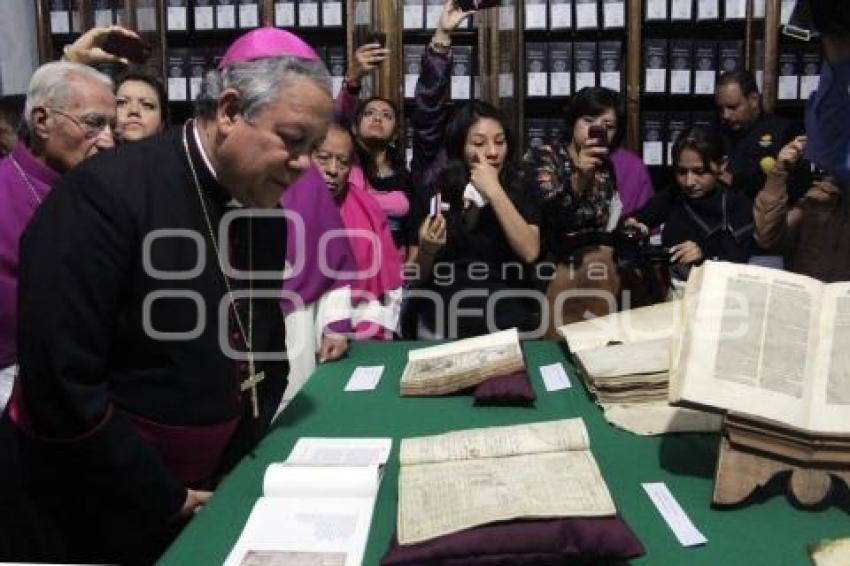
point(125, 395)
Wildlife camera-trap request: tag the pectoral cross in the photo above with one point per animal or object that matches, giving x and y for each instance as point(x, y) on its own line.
point(251, 383)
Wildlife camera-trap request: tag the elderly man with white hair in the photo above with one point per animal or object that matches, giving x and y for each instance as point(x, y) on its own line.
point(69, 111)
point(149, 331)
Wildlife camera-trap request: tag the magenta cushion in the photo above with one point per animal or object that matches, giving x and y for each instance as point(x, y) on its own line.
point(538, 542)
point(511, 389)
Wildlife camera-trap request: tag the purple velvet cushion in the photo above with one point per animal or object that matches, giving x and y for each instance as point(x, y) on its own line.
point(538, 542)
point(511, 389)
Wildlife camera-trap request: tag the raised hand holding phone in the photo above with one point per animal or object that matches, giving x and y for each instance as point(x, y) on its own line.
point(112, 44)
point(476, 4)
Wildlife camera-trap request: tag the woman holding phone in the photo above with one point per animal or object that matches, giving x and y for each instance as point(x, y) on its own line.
point(376, 128)
point(471, 255)
point(586, 184)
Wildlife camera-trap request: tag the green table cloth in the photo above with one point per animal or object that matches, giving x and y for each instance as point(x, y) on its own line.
point(767, 530)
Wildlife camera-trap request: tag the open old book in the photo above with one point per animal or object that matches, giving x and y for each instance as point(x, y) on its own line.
point(467, 478)
point(766, 344)
point(447, 368)
point(316, 507)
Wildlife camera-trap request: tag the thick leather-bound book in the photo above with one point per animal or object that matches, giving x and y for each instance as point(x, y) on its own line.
point(443, 369)
point(765, 344)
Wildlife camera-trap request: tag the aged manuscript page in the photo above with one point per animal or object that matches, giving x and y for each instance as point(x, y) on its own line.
point(765, 343)
point(459, 480)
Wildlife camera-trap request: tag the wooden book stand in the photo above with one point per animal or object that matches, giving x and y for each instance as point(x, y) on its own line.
point(752, 451)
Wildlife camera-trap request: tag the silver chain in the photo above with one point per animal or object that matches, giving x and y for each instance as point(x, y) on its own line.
point(246, 336)
point(26, 180)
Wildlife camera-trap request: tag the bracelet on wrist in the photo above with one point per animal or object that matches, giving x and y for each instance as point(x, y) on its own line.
point(441, 47)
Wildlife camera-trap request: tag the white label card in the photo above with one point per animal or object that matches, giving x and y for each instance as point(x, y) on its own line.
point(808, 84)
point(585, 79)
point(308, 14)
point(59, 22)
point(760, 80)
point(656, 10)
point(788, 87)
point(555, 378)
point(704, 82)
point(284, 14)
point(736, 9)
point(561, 83)
point(653, 153)
point(363, 13)
point(562, 16)
point(432, 15)
point(461, 87)
point(177, 88)
point(681, 10)
point(674, 515)
point(249, 16)
point(203, 17)
point(535, 16)
point(331, 14)
point(414, 15)
point(146, 19)
point(365, 378)
point(708, 10)
point(759, 8)
point(680, 82)
point(194, 87)
point(336, 84)
point(656, 80)
point(787, 7)
point(102, 18)
point(537, 84)
point(614, 15)
point(177, 19)
point(226, 17)
point(610, 80)
point(410, 85)
point(587, 16)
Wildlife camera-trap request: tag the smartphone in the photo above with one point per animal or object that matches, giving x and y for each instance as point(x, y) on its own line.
point(467, 5)
point(435, 207)
point(599, 134)
point(135, 50)
point(376, 36)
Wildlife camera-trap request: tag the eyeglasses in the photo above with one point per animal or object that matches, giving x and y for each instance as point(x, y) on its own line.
point(325, 158)
point(91, 124)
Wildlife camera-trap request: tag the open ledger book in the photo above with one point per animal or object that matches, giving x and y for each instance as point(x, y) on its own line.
point(767, 344)
point(316, 506)
point(447, 368)
point(467, 478)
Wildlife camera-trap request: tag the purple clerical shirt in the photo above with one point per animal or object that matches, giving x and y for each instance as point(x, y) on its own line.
point(24, 182)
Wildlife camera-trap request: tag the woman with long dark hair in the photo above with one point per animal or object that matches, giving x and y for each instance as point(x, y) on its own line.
point(376, 128)
point(477, 245)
